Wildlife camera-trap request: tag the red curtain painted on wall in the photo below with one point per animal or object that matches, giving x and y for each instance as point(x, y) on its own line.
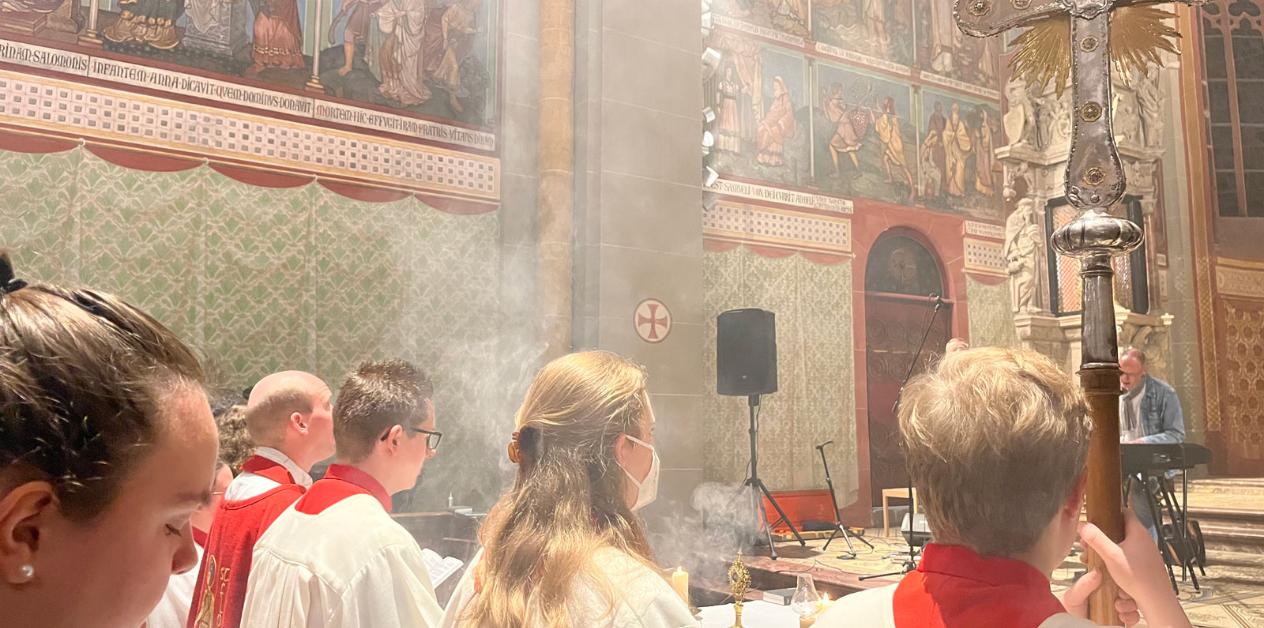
point(150, 160)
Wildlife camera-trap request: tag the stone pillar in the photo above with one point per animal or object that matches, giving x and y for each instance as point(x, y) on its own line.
point(556, 172)
point(639, 211)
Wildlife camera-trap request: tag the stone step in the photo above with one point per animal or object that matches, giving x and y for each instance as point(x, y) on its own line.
point(1237, 567)
point(1228, 516)
point(1233, 538)
point(1244, 487)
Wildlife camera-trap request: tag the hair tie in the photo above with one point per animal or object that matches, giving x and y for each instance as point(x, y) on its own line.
point(8, 283)
point(515, 451)
point(13, 285)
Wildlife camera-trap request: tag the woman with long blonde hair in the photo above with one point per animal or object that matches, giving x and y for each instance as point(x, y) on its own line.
point(563, 548)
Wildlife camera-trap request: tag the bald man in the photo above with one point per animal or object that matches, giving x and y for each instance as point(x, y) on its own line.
point(290, 417)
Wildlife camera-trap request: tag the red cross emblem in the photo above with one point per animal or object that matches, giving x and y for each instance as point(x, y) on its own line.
point(652, 320)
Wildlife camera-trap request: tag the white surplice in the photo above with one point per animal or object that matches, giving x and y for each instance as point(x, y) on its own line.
point(642, 598)
point(349, 566)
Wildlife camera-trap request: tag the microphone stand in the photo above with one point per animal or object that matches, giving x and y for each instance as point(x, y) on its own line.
point(911, 563)
point(838, 518)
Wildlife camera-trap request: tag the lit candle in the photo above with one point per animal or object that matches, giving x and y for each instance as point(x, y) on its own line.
point(824, 604)
point(680, 582)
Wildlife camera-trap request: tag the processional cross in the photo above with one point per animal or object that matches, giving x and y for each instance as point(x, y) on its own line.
point(1094, 182)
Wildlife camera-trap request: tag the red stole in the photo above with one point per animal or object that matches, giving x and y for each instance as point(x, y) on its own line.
point(220, 592)
point(956, 587)
point(340, 482)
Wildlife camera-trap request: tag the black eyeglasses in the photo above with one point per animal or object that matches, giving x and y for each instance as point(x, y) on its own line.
point(432, 438)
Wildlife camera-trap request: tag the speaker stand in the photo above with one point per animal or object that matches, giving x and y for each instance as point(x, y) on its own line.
point(757, 485)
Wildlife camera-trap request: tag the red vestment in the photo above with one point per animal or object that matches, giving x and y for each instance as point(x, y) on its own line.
point(221, 584)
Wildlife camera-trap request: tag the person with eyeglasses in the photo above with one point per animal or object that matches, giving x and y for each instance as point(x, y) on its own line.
point(336, 557)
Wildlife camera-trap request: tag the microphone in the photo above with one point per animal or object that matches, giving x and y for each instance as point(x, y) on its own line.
point(822, 445)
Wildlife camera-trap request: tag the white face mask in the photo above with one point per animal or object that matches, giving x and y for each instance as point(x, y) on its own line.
point(647, 489)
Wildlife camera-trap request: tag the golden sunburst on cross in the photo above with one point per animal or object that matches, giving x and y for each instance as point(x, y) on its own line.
point(1072, 41)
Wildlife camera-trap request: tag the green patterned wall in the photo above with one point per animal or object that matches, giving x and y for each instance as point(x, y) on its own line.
point(991, 320)
point(262, 279)
point(816, 397)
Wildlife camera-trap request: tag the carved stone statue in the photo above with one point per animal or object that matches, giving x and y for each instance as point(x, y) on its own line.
point(1150, 101)
point(1053, 122)
point(1020, 119)
point(1022, 243)
point(1127, 118)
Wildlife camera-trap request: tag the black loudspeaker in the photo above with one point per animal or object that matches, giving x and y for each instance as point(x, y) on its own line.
point(921, 530)
point(746, 353)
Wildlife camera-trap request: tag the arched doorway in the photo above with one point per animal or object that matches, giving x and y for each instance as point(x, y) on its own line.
point(900, 273)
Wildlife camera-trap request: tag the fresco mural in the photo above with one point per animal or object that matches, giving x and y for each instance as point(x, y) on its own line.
point(787, 16)
point(881, 29)
point(432, 58)
point(865, 139)
point(958, 168)
point(760, 95)
point(942, 49)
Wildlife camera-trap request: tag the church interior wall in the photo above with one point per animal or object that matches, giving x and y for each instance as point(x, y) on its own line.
point(815, 401)
point(1224, 228)
point(260, 279)
point(825, 117)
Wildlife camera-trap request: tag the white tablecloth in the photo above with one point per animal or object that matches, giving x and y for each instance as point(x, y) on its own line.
point(758, 614)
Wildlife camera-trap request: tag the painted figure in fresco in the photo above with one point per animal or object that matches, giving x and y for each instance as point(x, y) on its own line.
point(958, 147)
point(737, 8)
point(789, 15)
point(147, 22)
point(458, 26)
point(403, 62)
point(987, 59)
point(983, 159)
point(777, 127)
point(359, 14)
point(850, 126)
point(278, 39)
point(875, 18)
point(888, 129)
point(936, 126)
point(946, 38)
point(932, 171)
point(728, 113)
point(1022, 241)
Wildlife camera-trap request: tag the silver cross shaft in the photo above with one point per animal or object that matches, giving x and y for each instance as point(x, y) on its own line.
point(1094, 175)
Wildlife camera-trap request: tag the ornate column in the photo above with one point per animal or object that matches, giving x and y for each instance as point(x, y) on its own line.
point(313, 83)
point(90, 35)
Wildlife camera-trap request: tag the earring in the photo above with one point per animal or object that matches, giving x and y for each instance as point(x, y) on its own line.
point(26, 572)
